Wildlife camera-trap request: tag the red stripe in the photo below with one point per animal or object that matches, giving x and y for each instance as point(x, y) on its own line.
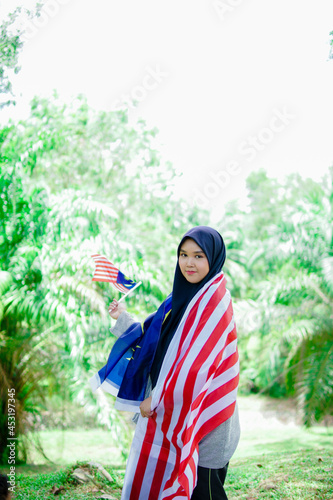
point(168, 396)
point(106, 271)
point(215, 421)
point(210, 424)
point(227, 363)
point(219, 392)
point(143, 459)
point(105, 276)
point(210, 344)
point(168, 399)
point(204, 353)
point(106, 263)
point(174, 383)
point(179, 493)
point(190, 379)
point(101, 272)
point(105, 280)
point(159, 472)
point(102, 265)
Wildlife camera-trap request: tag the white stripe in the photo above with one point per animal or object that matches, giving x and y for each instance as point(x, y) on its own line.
point(202, 385)
point(131, 466)
point(224, 377)
point(230, 348)
point(103, 270)
point(172, 351)
point(206, 415)
point(95, 382)
point(202, 382)
point(110, 387)
point(173, 347)
point(126, 405)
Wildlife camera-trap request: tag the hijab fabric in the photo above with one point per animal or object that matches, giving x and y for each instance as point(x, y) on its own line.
point(211, 242)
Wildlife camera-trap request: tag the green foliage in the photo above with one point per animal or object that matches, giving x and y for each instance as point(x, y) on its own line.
point(77, 182)
point(45, 485)
point(10, 46)
point(284, 311)
point(300, 475)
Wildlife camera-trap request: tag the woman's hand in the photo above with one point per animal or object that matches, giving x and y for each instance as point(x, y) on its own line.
point(145, 408)
point(115, 309)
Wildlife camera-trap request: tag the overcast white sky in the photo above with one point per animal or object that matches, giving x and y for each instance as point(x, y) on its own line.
point(231, 85)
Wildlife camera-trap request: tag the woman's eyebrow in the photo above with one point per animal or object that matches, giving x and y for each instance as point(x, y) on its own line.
point(184, 251)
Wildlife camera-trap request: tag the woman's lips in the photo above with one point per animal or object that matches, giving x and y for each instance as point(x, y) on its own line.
point(190, 272)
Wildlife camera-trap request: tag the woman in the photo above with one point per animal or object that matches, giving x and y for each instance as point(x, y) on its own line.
point(180, 370)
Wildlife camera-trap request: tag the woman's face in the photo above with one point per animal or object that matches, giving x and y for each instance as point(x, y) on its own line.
point(192, 261)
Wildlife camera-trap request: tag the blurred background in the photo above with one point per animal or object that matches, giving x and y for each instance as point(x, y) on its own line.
point(124, 124)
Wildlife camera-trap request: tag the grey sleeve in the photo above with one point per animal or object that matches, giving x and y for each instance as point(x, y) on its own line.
point(124, 321)
point(217, 448)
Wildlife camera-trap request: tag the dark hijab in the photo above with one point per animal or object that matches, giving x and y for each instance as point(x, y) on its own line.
point(211, 242)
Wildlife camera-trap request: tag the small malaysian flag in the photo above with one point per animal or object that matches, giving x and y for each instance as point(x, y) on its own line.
point(106, 271)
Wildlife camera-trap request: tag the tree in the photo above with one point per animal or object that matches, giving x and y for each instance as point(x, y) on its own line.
point(285, 312)
point(77, 182)
point(10, 46)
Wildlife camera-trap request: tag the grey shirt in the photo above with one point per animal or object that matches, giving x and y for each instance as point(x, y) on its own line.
point(215, 449)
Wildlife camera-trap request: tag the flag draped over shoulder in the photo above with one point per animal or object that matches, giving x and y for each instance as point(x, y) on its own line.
point(106, 271)
point(195, 393)
point(126, 372)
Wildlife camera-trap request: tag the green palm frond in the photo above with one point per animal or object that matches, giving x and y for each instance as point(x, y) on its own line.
point(248, 316)
point(314, 387)
point(327, 268)
point(298, 331)
point(21, 303)
point(6, 280)
point(85, 292)
point(285, 289)
point(70, 203)
point(237, 277)
point(5, 283)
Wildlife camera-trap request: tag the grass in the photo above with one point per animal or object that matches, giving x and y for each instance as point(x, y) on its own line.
point(275, 459)
point(62, 484)
point(66, 447)
point(260, 434)
point(291, 439)
point(302, 475)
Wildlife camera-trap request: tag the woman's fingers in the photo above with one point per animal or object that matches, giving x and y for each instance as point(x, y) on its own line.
point(145, 408)
point(113, 305)
point(146, 414)
point(115, 309)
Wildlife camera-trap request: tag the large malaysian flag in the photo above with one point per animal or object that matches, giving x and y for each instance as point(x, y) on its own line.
point(195, 393)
